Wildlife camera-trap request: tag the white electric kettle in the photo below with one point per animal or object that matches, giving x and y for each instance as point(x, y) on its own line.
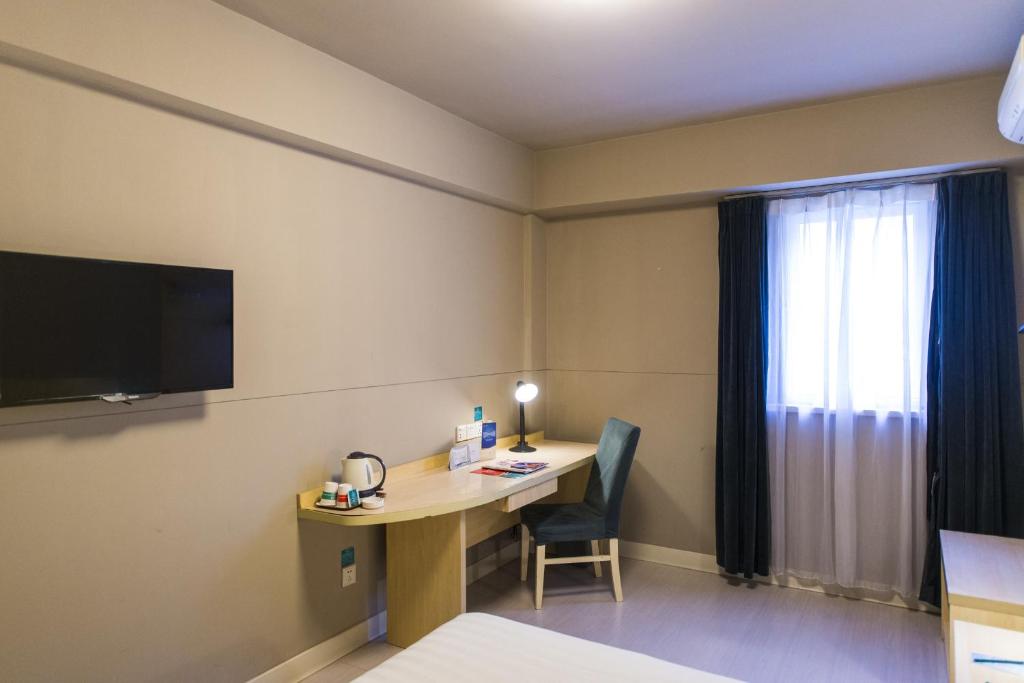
point(357, 471)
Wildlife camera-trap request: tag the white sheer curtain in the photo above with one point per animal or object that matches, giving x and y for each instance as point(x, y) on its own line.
point(849, 281)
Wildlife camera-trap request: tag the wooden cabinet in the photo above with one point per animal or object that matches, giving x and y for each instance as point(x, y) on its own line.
point(982, 601)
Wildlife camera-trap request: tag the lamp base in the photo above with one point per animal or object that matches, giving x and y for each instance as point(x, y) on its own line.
point(522, 447)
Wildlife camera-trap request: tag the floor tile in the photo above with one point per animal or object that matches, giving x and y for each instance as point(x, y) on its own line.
point(371, 654)
point(338, 672)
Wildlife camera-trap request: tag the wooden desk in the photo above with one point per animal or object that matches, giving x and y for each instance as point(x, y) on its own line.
point(433, 515)
point(982, 598)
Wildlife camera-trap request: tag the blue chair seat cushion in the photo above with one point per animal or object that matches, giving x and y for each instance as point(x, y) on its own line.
point(552, 523)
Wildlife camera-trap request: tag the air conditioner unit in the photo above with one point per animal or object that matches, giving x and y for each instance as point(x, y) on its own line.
point(1011, 102)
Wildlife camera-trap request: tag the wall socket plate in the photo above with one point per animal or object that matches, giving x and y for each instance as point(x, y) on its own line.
point(474, 430)
point(348, 566)
point(348, 576)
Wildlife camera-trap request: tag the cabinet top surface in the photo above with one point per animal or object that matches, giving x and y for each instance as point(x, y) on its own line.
point(984, 570)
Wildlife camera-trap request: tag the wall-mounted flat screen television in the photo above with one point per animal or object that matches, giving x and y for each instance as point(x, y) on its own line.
point(75, 328)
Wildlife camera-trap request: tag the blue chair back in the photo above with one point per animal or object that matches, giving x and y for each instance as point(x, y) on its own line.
point(607, 482)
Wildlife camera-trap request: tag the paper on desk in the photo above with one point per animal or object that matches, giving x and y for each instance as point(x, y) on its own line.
point(458, 456)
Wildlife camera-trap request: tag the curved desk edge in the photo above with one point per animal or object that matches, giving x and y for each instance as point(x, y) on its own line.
point(437, 465)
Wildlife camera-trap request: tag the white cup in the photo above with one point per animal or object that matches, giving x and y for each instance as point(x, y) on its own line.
point(330, 495)
point(344, 492)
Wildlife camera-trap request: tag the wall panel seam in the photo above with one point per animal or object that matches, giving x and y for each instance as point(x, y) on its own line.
point(142, 411)
point(636, 372)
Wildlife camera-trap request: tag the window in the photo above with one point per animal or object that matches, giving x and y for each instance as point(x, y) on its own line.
point(849, 281)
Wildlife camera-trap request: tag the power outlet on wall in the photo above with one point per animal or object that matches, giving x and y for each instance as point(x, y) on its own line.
point(470, 431)
point(348, 576)
point(348, 566)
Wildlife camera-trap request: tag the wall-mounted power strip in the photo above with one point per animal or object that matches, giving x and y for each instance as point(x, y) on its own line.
point(473, 430)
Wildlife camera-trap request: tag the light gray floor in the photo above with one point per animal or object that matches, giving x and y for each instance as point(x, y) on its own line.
point(354, 664)
point(752, 632)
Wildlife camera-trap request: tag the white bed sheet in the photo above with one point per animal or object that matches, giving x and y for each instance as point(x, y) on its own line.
point(468, 649)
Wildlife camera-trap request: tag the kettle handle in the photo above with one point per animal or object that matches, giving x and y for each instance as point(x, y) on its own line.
point(383, 471)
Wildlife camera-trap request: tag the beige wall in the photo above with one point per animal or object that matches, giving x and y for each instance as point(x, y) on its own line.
point(209, 61)
point(535, 294)
point(923, 129)
point(159, 541)
point(632, 333)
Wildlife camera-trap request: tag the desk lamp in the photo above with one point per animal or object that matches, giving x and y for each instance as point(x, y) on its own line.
point(525, 392)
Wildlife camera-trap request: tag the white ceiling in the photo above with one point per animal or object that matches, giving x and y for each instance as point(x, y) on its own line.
point(547, 73)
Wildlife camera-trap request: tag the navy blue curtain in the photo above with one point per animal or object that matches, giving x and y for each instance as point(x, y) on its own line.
point(742, 512)
point(975, 433)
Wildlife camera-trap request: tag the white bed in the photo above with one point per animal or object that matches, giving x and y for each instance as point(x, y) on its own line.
point(476, 648)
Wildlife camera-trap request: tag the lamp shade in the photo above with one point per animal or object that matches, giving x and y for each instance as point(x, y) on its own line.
point(526, 392)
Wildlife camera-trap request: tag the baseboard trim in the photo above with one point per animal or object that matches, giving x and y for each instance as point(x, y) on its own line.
point(310, 661)
point(673, 557)
point(702, 562)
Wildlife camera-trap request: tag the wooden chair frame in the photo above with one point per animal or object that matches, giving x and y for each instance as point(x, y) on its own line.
point(612, 556)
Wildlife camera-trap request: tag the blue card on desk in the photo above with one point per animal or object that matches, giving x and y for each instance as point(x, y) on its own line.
point(489, 434)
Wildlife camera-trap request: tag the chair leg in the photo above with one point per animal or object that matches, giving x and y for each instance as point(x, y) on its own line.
point(595, 549)
point(613, 550)
point(524, 551)
point(540, 577)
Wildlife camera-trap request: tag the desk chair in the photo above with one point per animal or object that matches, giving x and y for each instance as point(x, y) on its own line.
point(595, 519)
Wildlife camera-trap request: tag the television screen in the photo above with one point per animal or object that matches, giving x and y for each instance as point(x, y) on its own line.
point(73, 328)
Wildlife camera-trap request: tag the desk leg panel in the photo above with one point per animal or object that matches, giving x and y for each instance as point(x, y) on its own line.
point(426, 575)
